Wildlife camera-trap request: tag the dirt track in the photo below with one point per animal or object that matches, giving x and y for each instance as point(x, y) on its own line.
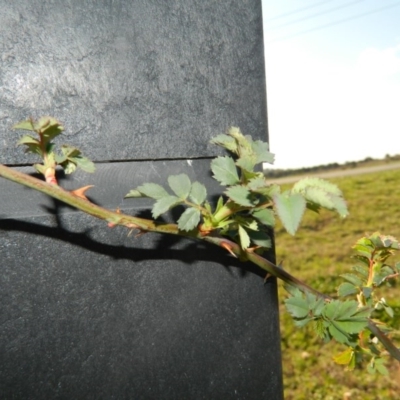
point(339, 173)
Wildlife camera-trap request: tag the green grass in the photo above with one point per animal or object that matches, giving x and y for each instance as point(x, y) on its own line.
point(320, 251)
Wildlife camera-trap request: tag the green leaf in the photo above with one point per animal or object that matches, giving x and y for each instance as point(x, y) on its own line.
point(297, 307)
point(346, 358)
point(225, 171)
point(292, 290)
point(302, 322)
point(268, 190)
point(71, 158)
point(244, 237)
point(153, 190)
point(382, 274)
point(226, 141)
point(240, 195)
point(26, 125)
point(344, 319)
point(290, 209)
point(163, 204)
point(189, 219)
point(49, 128)
point(84, 163)
point(198, 193)
point(318, 307)
point(361, 269)
point(322, 193)
point(220, 204)
point(327, 200)
point(134, 193)
point(347, 289)
point(389, 311)
point(260, 238)
point(257, 183)
point(247, 176)
point(250, 152)
point(246, 162)
point(380, 367)
point(28, 139)
point(69, 167)
point(34, 148)
point(180, 185)
point(367, 292)
point(354, 279)
point(265, 216)
point(319, 328)
point(207, 206)
point(261, 151)
point(46, 123)
point(322, 184)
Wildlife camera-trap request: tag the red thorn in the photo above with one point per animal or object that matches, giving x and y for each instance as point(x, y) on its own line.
point(140, 233)
point(252, 249)
point(81, 191)
point(228, 248)
point(267, 277)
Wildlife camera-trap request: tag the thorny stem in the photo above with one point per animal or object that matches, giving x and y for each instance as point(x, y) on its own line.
point(146, 225)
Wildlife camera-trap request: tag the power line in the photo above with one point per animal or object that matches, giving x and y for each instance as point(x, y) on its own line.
point(297, 10)
point(333, 23)
point(317, 14)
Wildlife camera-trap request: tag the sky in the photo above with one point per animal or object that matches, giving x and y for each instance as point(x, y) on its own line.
point(333, 80)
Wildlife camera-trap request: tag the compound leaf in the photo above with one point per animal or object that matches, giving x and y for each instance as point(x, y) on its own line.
point(189, 219)
point(261, 151)
point(260, 238)
point(84, 163)
point(257, 183)
point(344, 319)
point(134, 193)
point(244, 237)
point(346, 358)
point(306, 183)
point(297, 307)
point(153, 190)
point(240, 195)
point(180, 185)
point(265, 216)
point(347, 289)
point(354, 279)
point(225, 141)
point(321, 193)
point(26, 125)
point(27, 139)
point(290, 209)
point(198, 193)
point(225, 171)
point(164, 204)
point(380, 367)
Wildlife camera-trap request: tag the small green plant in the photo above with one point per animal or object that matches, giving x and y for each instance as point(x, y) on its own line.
point(347, 320)
point(241, 222)
point(46, 129)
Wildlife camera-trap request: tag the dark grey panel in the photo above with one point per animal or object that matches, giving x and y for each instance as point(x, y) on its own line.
point(89, 312)
point(138, 79)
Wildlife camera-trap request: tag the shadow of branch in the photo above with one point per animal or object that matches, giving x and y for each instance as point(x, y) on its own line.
point(160, 247)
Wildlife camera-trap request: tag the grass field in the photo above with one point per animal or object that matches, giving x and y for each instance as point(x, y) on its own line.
point(320, 251)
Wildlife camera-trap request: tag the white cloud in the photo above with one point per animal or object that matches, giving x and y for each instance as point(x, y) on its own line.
point(379, 63)
point(322, 112)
